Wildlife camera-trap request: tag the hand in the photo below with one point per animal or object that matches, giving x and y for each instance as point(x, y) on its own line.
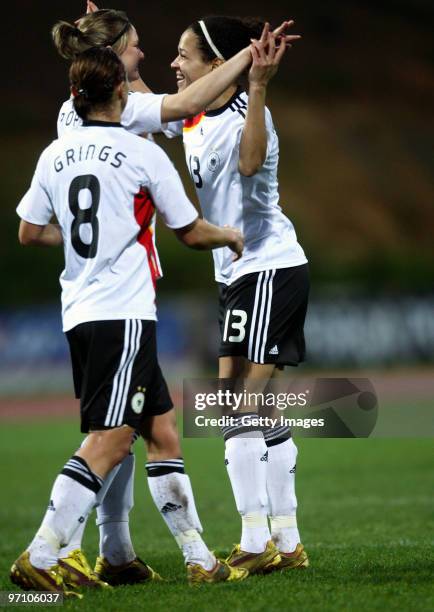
point(265, 57)
point(91, 7)
point(279, 36)
point(235, 241)
point(286, 38)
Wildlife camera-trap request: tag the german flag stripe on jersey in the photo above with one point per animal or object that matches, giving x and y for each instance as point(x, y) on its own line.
point(191, 123)
point(144, 211)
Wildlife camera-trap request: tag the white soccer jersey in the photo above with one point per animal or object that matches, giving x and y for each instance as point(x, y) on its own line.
point(141, 114)
point(103, 184)
point(251, 204)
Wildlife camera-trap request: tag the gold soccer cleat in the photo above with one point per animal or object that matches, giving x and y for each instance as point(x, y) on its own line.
point(28, 577)
point(256, 563)
point(222, 572)
point(134, 572)
point(77, 573)
point(294, 560)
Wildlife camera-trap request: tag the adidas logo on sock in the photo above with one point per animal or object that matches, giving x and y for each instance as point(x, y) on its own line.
point(274, 350)
point(169, 508)
point(51, 506)
point(293, 469)
point(265, 456)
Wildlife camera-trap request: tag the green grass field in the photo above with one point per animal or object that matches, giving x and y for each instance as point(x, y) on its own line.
point(365, 514)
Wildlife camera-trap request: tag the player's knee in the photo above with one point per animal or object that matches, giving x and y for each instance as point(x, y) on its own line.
point(162, 439)
point(115, 444)
point(122, 449)
point(118, 454)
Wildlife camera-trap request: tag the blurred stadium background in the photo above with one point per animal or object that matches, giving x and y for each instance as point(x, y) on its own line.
point(353, 106)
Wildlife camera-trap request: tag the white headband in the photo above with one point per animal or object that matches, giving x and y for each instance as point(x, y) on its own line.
point(209, 40)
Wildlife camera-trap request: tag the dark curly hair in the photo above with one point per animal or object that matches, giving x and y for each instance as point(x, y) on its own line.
point(229, 34)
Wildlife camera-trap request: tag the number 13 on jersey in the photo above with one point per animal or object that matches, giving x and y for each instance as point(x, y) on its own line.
point(194, 164)
point(235, 320)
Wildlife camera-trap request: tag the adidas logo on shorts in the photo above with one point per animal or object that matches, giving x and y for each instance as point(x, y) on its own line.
point(274, 350)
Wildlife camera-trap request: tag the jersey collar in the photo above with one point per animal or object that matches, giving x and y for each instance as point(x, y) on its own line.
point(219, 111)
point(88, 123)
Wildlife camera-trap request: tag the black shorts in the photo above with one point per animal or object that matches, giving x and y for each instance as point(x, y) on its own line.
point(261, 316)
point(116, 373)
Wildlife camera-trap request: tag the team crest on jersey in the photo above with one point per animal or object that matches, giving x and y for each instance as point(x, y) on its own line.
point(138, 400)
point(213, 162)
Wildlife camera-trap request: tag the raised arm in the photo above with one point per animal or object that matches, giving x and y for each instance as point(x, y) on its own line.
point(197, 96)
point(253, 145)
point(202, 92)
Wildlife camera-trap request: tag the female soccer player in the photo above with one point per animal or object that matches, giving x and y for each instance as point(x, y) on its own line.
point(103, 184)
point(118, 562)
point(144, 112)
point(232, 154)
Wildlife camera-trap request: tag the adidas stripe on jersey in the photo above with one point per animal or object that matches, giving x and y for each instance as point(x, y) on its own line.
point(262, 316)
point(116, 373)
